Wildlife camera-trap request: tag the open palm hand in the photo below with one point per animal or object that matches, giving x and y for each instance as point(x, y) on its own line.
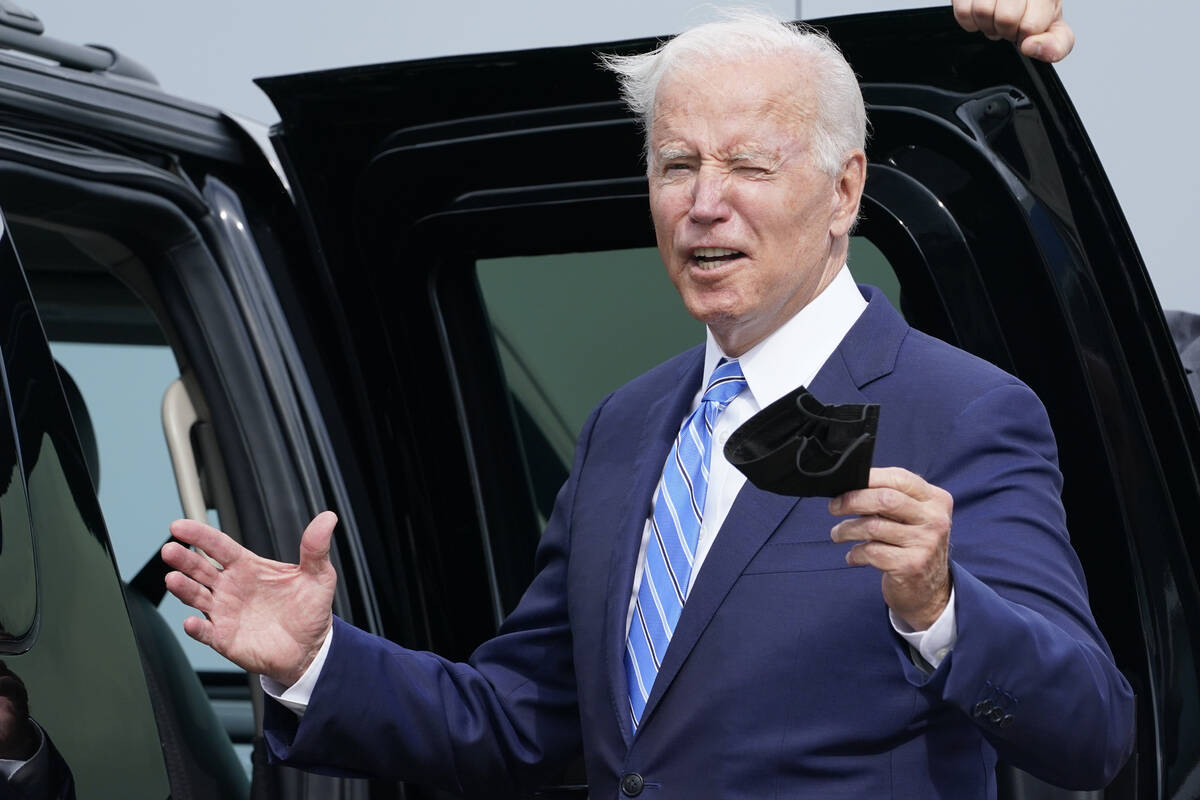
point(265, 616)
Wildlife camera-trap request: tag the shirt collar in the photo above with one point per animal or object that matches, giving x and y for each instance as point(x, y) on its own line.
point(10, 767)
point(792, 355)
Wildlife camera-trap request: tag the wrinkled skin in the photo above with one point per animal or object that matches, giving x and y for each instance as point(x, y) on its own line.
point(1037, 26)
point(265, 616)
point(731, 167)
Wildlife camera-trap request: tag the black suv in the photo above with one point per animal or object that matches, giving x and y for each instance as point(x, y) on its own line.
point(381, 311)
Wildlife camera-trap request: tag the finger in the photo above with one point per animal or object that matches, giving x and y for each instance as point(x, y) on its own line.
point(877, 529)
point(1038, 16)
point(1053, 45)
point(208, 539)
point(314, 544)
point(191, 563)
point(1007, 18)
point(884, 502)
point(883, 557)
point(902, 564)
point(895, 478)
point(962, 13)
point(904, 481)
point(199, 629)
point(189, 592)
point(983, 12)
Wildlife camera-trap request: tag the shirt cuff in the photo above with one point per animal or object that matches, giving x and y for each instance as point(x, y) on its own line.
point(297, 696)
point(935, 642)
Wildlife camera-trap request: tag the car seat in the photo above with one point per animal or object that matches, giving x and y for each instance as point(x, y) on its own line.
point(200, 759)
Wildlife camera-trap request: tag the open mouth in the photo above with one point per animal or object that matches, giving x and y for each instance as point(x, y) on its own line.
point(708, 257)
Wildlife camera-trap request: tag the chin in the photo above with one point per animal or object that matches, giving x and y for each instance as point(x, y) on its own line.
point(713, 318)
point(710, 307)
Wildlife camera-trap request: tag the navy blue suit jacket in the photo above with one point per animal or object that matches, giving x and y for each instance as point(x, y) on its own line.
point(784, 677)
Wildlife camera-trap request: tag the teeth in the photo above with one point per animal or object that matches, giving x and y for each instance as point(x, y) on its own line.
point(713, 252)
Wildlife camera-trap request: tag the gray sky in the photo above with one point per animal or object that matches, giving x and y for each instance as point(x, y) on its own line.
point(1127, 74)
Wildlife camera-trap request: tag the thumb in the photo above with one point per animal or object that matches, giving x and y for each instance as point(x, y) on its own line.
point(1051, 46)
point(314, 544)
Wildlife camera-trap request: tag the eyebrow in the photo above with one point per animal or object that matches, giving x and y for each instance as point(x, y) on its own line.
point(673, 153)
point(670, 153)
point(750, 155)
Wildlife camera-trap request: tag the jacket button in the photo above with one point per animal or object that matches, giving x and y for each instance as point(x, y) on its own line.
point(996, 714)
point(1008, 719)
point(983, 707)
point(632, 784)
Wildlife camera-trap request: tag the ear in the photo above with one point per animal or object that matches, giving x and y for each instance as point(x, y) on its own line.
point(848, 189)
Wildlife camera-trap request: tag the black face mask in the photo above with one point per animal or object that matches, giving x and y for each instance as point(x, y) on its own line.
point(801, 447)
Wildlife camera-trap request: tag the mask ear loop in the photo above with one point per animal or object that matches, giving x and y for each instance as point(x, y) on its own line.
point(815, 462)
point(835, 459)
point(799, 446)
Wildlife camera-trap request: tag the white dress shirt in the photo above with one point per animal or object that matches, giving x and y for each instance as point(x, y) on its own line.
point(297, 695)
point(791, 356)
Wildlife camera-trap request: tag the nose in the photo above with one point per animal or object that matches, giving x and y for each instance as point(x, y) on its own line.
point(708, 197)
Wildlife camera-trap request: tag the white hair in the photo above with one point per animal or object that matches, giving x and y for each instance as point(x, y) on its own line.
point(840, 122)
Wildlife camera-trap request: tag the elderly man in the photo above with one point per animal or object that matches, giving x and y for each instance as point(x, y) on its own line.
point(699, 637)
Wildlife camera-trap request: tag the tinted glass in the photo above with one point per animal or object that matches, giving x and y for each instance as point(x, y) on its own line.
point(572, 327)
point(137, 485)
point(110, 347)
point(18, 570)
point(82, 673)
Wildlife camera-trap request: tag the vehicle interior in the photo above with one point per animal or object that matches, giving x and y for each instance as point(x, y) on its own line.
point(130, 293)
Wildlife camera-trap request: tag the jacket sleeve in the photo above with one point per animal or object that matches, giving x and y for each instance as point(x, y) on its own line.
point(1030, 668)
point(485, 728)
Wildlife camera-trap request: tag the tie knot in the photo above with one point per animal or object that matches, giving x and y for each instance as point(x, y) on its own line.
point(725, 384)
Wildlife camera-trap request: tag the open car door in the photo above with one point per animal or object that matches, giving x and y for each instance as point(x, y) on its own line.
point(479, 218)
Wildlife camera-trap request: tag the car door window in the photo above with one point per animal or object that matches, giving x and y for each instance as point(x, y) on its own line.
point(18, 571)
point(570, 328)
point(122, 386)
point(108, 344)
point(81, 682)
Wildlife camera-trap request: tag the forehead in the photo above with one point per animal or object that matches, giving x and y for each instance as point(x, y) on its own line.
point(765, 97)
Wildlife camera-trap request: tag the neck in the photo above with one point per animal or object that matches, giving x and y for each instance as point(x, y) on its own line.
point(738, 337)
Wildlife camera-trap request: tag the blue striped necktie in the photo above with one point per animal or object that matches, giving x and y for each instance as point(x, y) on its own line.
point(674, 528)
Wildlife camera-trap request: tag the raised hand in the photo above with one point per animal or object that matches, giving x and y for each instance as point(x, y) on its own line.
point(265, 616)
point(1037, 26)
point(904, 532)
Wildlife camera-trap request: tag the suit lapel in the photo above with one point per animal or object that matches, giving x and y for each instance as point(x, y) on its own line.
point(660, 426)
point(753, 518)
point(867, 352)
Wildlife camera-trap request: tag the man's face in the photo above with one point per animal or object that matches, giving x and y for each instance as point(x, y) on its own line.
point(748, 225)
